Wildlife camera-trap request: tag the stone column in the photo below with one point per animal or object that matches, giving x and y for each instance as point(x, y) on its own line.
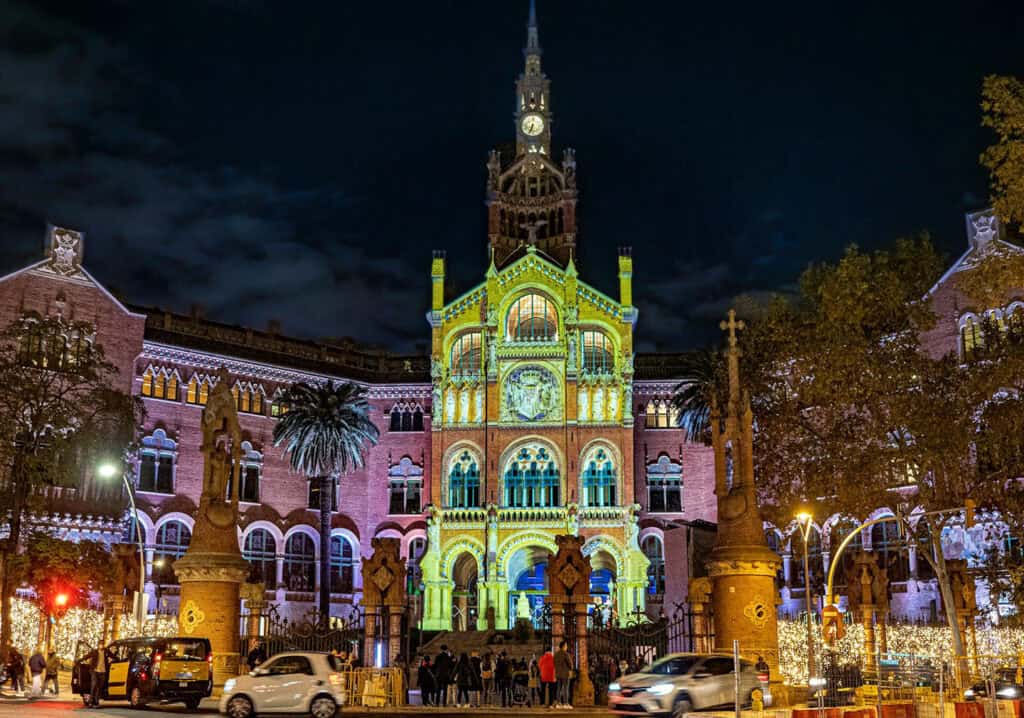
point(883, 634)
point(255, 605)
point(370, 621)
point(395, 634)
point(584, 693)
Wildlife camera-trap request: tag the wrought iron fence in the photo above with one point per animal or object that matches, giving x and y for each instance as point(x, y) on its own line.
point(276, 633)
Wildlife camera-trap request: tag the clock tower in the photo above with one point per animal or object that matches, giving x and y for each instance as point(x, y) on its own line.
point(531, 199)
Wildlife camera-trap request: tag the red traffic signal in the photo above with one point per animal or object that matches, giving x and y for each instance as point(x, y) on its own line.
point(60, 600)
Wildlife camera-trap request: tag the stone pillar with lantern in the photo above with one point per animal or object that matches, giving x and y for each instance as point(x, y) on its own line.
point(384, 598)
point(212, 570)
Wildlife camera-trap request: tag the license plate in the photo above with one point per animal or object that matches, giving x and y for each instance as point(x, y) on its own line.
point(183, 684)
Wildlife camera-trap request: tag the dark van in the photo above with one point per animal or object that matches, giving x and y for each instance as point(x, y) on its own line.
point(151, 670)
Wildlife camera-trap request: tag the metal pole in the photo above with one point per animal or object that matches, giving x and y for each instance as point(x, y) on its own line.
point(736, 675)
point(140, 616)
point(807, 597)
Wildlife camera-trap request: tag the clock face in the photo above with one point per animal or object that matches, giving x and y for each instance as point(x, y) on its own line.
point(532, 125)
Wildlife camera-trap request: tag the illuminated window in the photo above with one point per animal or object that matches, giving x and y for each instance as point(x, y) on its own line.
point(532, 479)
point(278, 407)
point(160, 384)
point(532, 318)
point(405, 485)
point(464, 481)
point(598, 353)
point(661, 414)
point(54, 346)
point(147, 383)
point(972, 338)
point(599, 480)
point(248, 398)
point(406, 417)
point(261, 552)
point(172, 540)
point(655, 553)
point(343, 565)
point(198, 390)
point(299, 563)
point(664, 486)
point(156, 463)
point(466, 355)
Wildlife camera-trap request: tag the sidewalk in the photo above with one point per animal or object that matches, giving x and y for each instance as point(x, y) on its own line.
point(63, 681)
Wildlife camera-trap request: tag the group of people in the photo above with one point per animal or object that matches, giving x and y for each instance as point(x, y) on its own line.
point(42, 672)
point(472, 680)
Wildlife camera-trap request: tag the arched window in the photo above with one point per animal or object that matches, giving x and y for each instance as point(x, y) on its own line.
point(156, 463)
point(406, 417)
point(278, 407)
point(532, 318)
point(598, 353)
point(160, 384)
point(661, 415)
point(299, 563)
point(172, 540)
point(466, 356)
point(248, 397)
point(252, 462)
point(198, 390)
point(342, 565)
point(972, 337)
point(891, 550)
point(532, 479)
point(464, 481)
point(655, 553)
point(417, 547)
point(260, 551)
point(664, 486)
point(599, 479)
point(405, 484)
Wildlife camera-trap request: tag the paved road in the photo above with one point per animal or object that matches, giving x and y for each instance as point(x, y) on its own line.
point(50, 708)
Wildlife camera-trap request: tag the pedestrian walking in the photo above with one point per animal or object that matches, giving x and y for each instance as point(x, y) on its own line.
point(563, 673)
point(99, 677)
point(52, 668)
point(546, 666)
point(428, 683)
point(37, 667)
point(443, 668)
point(16, 670)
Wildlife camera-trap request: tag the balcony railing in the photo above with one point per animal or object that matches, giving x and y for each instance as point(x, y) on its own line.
point(541, 516)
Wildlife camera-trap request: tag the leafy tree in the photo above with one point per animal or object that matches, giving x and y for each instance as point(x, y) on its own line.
point(853, 414)
point(323, 431)
point(1002, 105)
point(59, 416)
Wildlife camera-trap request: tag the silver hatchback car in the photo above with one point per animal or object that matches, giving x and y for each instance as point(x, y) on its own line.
point(680, 683)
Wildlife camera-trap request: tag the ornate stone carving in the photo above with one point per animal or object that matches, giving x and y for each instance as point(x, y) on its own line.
point(757, 611)
point(65, 250)
point(982, 228)
point(531, 393)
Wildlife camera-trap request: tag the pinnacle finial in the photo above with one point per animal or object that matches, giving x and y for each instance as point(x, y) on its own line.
point(532, 33)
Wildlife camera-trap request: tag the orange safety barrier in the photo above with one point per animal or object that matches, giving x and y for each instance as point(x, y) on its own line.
point(817, 713)
point(969, 710)
point(859, 713)
point(899, 710)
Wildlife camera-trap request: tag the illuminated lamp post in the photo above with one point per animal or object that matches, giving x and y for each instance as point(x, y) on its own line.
point(108, 470)
point(805, 519)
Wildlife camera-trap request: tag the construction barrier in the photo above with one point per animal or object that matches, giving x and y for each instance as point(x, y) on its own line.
point(969, 710)
point(817, 713)
point(373, 687)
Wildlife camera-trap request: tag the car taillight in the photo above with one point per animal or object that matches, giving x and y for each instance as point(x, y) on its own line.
point(209, 658)
point(142, 676)
point(156, 665)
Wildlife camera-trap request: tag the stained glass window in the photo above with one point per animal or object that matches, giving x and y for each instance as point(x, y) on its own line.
point(532, 319)
point(598, 353)
point(599, 479)
point(532, 479)
point(466, 355)
point(464, 481)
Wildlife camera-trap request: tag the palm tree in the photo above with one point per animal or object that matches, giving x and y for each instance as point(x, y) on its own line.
point(323, 431)
point(691, 397)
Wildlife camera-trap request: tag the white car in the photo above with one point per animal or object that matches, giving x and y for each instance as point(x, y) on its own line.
point(287, 683)
point(680, 683)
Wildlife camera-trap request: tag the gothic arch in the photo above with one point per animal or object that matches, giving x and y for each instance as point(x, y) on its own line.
point(175, 516)
point(510, 451)
point(518, 541)
point(458, 546)
point(309, 531)
point(609, 546)
point(268, 526)
point(616, 456)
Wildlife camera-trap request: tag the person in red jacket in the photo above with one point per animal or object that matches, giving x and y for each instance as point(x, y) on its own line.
point(546, 664)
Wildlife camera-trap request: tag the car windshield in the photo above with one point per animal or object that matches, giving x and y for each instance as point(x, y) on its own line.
point(182, 650)
point(677, 666)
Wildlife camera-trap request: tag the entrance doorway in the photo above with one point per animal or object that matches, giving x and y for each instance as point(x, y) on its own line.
point(602, 587)
point(464, 604)
point(528, 581)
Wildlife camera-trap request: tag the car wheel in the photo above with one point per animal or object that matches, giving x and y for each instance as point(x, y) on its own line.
point(239, 707)
point(681, 707)
point(135, 698)
point(323, 707)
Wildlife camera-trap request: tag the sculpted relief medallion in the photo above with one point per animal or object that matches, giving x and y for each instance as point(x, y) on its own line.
point(531, 394)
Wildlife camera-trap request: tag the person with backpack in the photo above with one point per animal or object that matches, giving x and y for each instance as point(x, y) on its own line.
point(487, 678)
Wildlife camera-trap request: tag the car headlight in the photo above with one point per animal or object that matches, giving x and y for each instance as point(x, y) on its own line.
point(661, 689)
point(229, 685)
point(969, 693)
point(1008, 692)
point(614, 687)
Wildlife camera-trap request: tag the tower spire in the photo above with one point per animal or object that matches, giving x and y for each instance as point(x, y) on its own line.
point(532, 32)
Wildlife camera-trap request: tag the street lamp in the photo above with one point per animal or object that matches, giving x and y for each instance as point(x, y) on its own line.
point(806, 525)
point(108, 470)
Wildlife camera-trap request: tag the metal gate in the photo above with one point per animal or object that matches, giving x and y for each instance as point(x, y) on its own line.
point(277, 633)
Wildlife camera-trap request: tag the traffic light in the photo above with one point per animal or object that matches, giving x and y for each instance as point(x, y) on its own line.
point(60, 600)
point(969, 507)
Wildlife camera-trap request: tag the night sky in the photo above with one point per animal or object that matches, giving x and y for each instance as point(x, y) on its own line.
point(298, 161)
